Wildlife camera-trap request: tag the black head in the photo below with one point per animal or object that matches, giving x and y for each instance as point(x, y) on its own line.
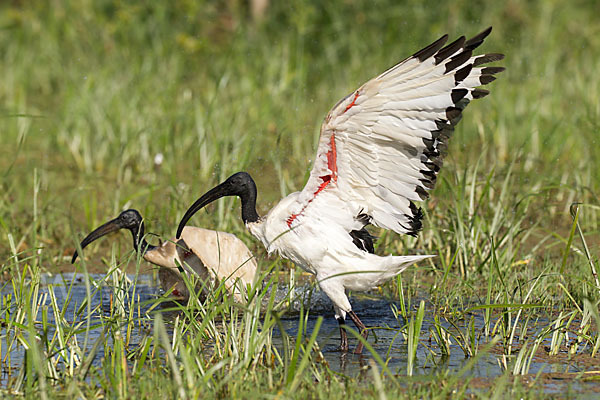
point(128, 219)
point(239, 184)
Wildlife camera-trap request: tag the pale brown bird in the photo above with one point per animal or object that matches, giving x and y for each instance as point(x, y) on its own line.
point(212, 255)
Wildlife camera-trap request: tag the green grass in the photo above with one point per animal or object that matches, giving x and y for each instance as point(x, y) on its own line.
point(92, 91)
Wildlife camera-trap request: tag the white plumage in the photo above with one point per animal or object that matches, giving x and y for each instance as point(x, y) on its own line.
point(379, 151)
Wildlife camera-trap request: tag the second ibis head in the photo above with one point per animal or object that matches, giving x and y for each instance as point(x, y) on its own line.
point(129, 219)
point(211, 255)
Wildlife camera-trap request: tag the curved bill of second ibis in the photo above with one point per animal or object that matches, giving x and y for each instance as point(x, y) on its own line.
point(213, 194)
point(105, 229)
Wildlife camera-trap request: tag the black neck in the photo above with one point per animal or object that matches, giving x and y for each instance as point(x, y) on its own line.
point(139, 242)
point(248, 197)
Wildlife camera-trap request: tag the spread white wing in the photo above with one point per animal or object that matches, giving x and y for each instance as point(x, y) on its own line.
point(381, 147)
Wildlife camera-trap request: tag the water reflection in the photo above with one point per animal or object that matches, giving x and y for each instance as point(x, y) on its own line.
point(386, 334)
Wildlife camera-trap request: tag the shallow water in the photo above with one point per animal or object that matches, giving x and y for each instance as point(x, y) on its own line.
point(387, 341)
point(70, 290)
point(376, 313)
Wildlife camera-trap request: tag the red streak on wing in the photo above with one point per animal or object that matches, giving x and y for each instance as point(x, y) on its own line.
point(326, 179)
point(352, 104)
point(291, 219)
point(332, 156)
point(332, 165)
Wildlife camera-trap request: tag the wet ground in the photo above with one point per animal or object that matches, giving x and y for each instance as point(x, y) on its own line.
point(555, 374)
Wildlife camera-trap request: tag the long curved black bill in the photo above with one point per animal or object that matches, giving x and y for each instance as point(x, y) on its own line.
point(213, 194)
point(105, 229)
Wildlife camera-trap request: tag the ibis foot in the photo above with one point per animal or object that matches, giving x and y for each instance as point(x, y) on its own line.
point(343, 336)
point(362, 328)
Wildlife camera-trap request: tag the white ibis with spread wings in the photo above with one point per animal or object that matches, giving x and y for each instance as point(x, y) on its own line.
point(379, 152)
point(211, 255)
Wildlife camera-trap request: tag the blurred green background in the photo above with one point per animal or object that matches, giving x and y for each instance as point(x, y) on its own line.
point(106, 105)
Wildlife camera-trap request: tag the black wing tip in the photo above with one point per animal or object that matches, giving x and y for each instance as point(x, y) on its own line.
point(428, 183)
point(485, 79)
point(492, 70)
point(462, 74)
point(363, 240)
point(458, 94)
point(458, 60)
point(449, 50)
point(432, 49)
point(441, 53)
point(364, 218)
point(422, 193)
point(415, 223)
point(476, 40)
point(452, 113)
point(429, 179)
point(487, 58)
point(479, 93)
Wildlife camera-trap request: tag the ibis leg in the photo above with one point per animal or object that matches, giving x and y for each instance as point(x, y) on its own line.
point(343, 336)
point(362, 328)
